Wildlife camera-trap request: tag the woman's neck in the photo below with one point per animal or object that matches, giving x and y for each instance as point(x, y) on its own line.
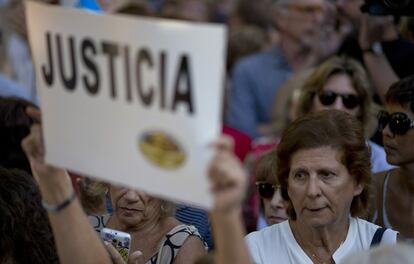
point(323, 240)
point(406, 175)
point(149, 226)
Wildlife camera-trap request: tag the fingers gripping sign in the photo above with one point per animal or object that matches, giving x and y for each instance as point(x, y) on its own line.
point(33, 144)
point(227, 176)
point(47, 176)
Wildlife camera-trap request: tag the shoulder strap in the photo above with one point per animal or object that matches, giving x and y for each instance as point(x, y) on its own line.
point(376, 240)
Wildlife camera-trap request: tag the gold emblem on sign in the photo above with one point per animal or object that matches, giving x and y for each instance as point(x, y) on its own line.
point(162, 150)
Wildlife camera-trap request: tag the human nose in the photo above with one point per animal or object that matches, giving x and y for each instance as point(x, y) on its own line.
point(338, 104)
point(131, 196)
point(313, 188)
point(386, 132)
point(277, 201)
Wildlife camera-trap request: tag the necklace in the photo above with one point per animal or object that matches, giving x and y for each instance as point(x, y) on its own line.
point(308, 249)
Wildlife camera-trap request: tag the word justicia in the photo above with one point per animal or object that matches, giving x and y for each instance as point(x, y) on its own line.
point(137, 63)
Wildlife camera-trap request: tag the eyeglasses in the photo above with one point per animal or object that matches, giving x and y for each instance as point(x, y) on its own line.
point(327, 98)
point(266, 190)
point(398, 122)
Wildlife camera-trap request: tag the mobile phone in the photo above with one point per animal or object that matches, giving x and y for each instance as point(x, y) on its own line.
point(120, 240)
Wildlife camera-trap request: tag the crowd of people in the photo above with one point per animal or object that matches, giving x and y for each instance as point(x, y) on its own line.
point(315, 164)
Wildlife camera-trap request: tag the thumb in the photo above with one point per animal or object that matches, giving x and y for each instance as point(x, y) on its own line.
point(134, 257)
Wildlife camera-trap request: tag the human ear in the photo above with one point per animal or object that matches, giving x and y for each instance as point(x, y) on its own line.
point(358, 189)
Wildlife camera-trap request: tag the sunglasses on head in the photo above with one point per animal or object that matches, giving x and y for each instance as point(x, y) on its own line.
point(327, 98)
point(266, 190)
point(398, 122)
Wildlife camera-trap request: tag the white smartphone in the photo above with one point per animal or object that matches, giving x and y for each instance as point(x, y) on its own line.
point(120, 240)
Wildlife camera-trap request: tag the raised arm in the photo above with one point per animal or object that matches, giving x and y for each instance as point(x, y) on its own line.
point(76, 240)
point(229, 184)
point(375, 30)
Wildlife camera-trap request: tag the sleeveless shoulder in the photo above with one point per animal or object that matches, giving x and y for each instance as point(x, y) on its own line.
point(172, 243)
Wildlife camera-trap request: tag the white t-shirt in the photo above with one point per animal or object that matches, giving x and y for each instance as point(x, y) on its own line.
point(277, 243)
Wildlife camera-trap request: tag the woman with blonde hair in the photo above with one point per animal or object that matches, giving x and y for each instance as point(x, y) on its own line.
point(341, 83)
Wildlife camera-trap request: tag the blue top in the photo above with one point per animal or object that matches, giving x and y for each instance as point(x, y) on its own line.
point(255, 80)
point(9, 87)
point(89, 4)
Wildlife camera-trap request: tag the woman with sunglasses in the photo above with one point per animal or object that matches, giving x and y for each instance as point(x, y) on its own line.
point(342, 83)
point(394, 206)
point(271, 202)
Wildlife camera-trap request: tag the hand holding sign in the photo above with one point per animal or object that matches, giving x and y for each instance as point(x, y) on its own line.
point(53, 182)
point(229, 181)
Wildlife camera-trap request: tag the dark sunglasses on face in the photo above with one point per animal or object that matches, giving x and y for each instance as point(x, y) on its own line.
point(398, 122)
point(327, 98)
point(266, 190)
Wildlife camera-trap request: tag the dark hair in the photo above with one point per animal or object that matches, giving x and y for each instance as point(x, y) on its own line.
point(92, 194)
point(243, 41)
point(338, 65)
point(138, 8)
point(173, 9)
point(256, 13)
point(14, 126)
point(26, 236)
point(338, 130)
point(265, 167)
point(402, 93)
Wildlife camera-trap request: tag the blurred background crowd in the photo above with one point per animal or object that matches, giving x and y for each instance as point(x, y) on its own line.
point(285, 59)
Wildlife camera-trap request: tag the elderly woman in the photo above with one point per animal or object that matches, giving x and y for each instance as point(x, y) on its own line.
point(341, 83)
point(393, 206)
point(268, 187)
point(157, 237)
point(324, 171)
point(154, 230)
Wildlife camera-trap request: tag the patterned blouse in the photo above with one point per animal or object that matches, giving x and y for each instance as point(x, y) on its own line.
point(172, 243)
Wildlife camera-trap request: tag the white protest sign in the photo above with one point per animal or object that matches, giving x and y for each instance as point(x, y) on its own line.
point(134, 101)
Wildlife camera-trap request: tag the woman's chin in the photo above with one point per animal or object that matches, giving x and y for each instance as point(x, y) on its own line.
point(272, 220)
point(129, 219)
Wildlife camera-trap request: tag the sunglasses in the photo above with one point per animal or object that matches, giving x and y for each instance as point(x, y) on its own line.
point(398, 122)
point(266, 190)
point(327, 98)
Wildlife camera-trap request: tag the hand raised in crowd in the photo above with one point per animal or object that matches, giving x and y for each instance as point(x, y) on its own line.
point(376, 29)
point(47, 176)
point(228, 178)
point(228, 186)
point(33, 144)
